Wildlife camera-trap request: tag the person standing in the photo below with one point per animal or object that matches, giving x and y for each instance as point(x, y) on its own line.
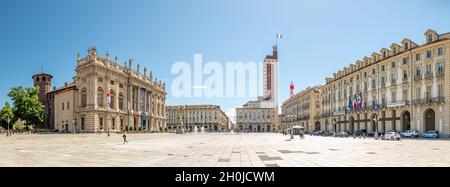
point(125, 138)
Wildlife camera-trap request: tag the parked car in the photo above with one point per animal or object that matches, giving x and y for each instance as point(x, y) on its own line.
point(431, 134)
point(342, 134)
point(316, 133)
point(327, 133)
point(372, 134)
point(410, 133)
point(392, 135)
point(360, 132)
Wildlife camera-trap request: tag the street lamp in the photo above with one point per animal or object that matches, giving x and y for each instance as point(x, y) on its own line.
point(334, 124)
point(7, 121)
point(375, 121)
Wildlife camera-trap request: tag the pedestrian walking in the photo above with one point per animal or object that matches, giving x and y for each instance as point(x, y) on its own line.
point(125, 138)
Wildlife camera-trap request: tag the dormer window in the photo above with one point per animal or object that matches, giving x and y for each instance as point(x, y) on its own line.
point(384, 54)
point(394, 50)
point(406, 46)
point(430, 38)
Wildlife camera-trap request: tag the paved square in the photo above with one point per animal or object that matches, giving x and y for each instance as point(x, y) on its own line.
point(217, 150)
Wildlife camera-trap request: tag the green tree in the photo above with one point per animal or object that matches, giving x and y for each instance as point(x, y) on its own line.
point(5, 114)
point(27, 105)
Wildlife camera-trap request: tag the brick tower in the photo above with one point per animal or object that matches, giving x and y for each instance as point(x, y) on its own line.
point(44, 82)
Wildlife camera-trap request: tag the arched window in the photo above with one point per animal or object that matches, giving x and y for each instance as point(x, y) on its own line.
point(113, 100)
point(121, 101)
point(100, 97)
point(83, 97)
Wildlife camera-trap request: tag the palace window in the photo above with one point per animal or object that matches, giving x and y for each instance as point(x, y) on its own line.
point(428, 68)
point(83, 97)
point(100, 97)
point(393, 64)
point(428, 92)
point(405, 60)
point(393, 97)
point(440, 51)
point(440, 67)
point(62, 106)
point(440, 90)
point(429, 54)
point(121, 101)
point(113, 100)
point(68, 105)
point(100, 79)
point(418, 57)
point(418, 73)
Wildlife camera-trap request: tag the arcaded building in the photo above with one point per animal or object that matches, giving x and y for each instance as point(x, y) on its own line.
point(210, 117)
point(406, 86)
point(302, 109)
point(105, 95)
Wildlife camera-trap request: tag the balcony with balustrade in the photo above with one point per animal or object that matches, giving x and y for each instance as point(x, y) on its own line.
point(417, 77)
point(429, 100)
point(428, 76)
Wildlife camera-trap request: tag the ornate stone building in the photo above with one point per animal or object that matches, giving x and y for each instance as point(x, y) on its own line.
point(262, 115)
point(211, 117)
point(254, 118)
point(405, 86)
point(109, 96)
point(303, 109)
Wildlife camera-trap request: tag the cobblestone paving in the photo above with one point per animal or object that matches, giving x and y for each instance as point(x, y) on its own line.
point(217, 150)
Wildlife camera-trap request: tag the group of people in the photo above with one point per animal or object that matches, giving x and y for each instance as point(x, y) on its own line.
point(300, 133)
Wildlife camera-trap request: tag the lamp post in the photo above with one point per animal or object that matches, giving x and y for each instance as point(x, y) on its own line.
point(7, 121)
point(334, 124)
point(375, 121)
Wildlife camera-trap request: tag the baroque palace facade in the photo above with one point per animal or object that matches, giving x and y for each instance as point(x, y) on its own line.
point(210, 117)
point(405, 86)
point(106, 96)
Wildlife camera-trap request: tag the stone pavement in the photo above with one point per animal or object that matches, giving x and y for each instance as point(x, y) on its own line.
point(217, 150)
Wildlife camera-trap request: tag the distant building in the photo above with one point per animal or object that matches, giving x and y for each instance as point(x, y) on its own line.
point(303, 109)
point(262, 115)
point(211, 117)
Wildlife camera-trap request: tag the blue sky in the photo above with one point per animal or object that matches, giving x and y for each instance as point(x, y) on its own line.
point(320, 37)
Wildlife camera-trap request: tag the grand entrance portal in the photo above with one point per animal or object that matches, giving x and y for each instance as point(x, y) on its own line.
point(406, 121)
point(429, 120)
